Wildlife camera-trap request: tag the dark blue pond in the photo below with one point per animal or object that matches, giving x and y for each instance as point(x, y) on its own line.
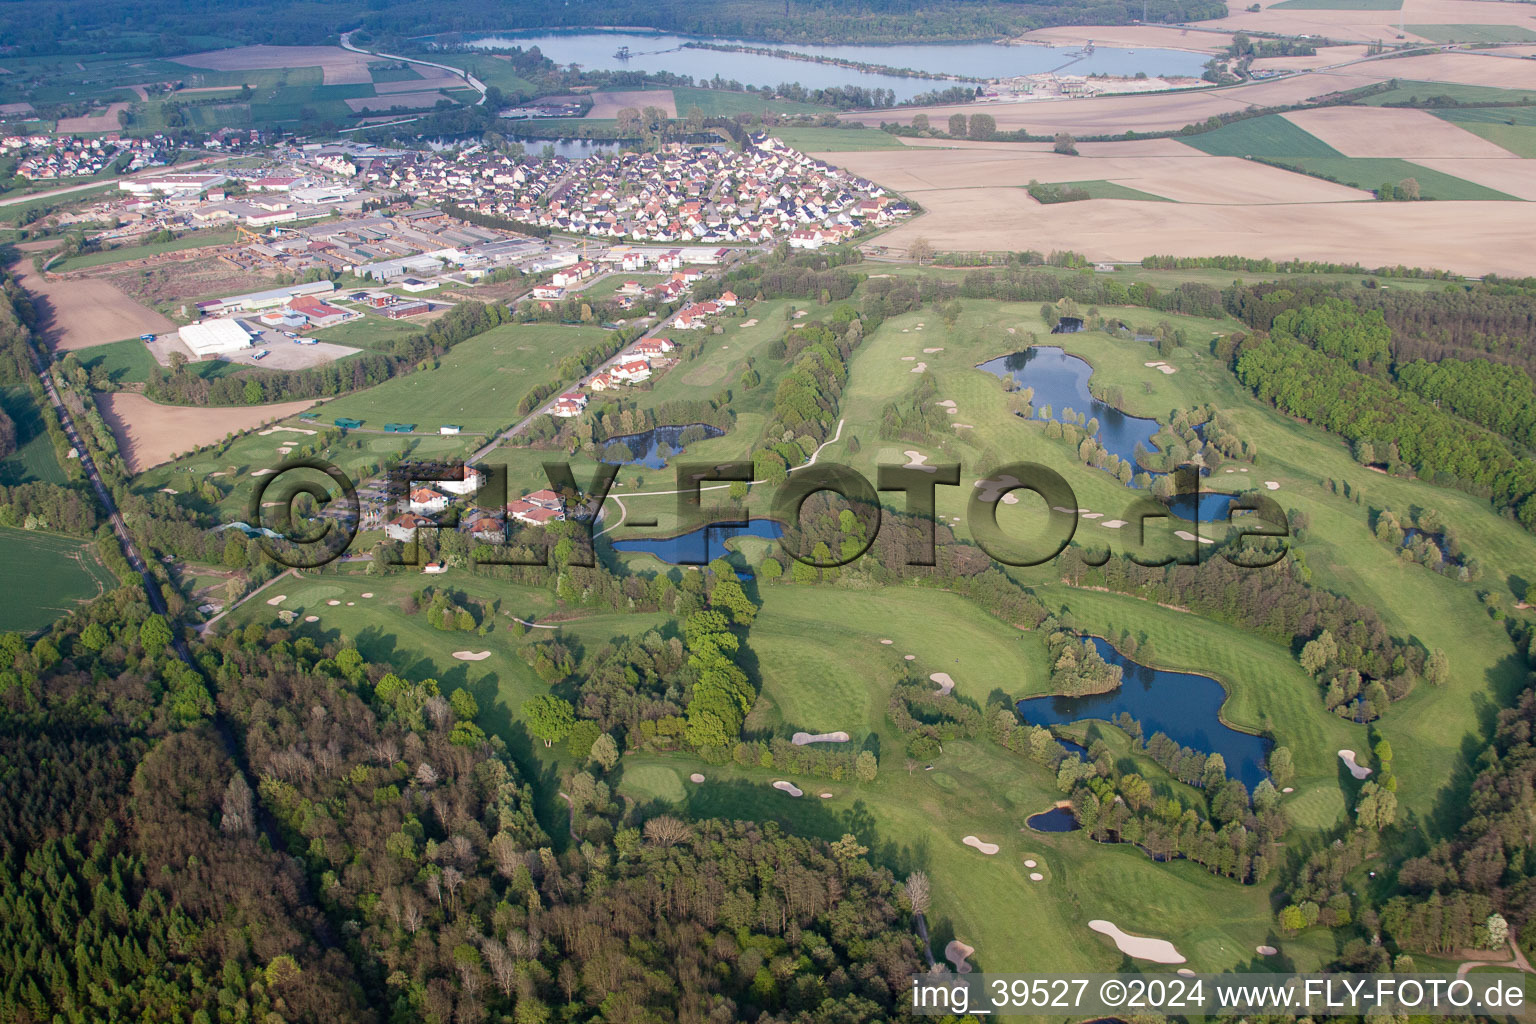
point(1057, 819)
point(1060, 381)
point(645, 448)
point(697, 547)
point(1183, 706)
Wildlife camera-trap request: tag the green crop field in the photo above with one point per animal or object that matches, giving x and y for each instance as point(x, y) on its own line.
point(1415, 92)
point(1101, 189)
point(835, 140)
point(1473, 33)
point(1270, 135)
point(60, 571)
point(724, 103)
point(1372, 172)
point(1513, 128)
point(478, 385)
point(34, 457)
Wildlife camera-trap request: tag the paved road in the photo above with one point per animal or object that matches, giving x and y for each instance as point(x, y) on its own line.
point(147, 172)
point(473, 82)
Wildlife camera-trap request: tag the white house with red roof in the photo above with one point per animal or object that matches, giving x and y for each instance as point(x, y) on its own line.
point(632, 372)
point(427, 500)
point(650, 348)
point(567, 406)
point(603, 382)
point(545, 498)
point(473, 479)
point(404, 527)
point(727, 299)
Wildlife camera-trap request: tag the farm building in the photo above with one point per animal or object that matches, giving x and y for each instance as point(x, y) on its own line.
point(347, 422)
point(449, 428)
point(399, 428)
point(214, 337)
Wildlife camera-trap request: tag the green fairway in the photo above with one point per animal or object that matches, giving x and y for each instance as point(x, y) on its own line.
point(477, 385)
point(1270, 135)
point(1473, 33)
point(34, 457)
point(835, 140)
point(1372, 172)
point(823, 668)
point(60, 571)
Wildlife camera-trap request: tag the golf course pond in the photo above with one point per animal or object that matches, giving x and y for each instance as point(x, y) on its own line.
point(1184, 706)
point(697, 547)
point(1060, 381)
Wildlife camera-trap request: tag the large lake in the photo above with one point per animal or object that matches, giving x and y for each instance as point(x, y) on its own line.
point(660, 52)
point(1182, 705)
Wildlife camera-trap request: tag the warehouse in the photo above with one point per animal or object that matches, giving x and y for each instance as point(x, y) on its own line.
point(215, 337)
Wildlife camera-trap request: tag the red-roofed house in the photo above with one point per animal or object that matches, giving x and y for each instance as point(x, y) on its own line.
point(425, 499)
point(633, 372)
point(650, 348)
point(404, 527)
point(545, 498)
point(728, 299)
point(603, 382)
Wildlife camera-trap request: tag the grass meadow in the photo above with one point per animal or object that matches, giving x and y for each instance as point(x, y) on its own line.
point(61, 573)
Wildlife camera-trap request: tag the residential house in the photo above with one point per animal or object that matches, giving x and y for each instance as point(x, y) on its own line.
point(426, 499)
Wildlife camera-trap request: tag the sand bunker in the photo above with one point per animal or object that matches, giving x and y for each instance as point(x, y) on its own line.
point(1186, 972)
point(1159, 951)
point(368, 594)
point(262, 472)
point(945, 683)
point(1093, 515)
point(909, 359)
point(695, 777)
point(800, 739)
point(955, 953)
point(1029, 863)
point(471, 655)
point(920, 368)
point(1112, 524)
point(931, 351)
point(994, 488)
point(910, 657)
point(917, 460)
point(749, 323)
point(1273, 485)
point(279, 599)
point(948, 403)
point(963, 426)
point(311, 618)
point(987, 848)
point(1186, 535)
point(788, 787)
point(1035, 876)
point(826, 796)
point(1289, 789)
point(290, 430)
point(1169, 369)
point(1355, 768)
point(1266, 950)
point(1155, 364)
point(333, 603)
point(887, 642)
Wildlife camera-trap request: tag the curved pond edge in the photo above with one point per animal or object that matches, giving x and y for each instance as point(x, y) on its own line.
point(1226, 689)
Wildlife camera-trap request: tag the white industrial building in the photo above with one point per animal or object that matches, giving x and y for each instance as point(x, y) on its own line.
point(214, 337)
